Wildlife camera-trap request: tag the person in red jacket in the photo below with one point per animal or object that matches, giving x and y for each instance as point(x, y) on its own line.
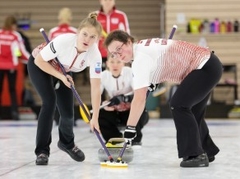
point(11, 49)
point(64, 24)
point(111, 19)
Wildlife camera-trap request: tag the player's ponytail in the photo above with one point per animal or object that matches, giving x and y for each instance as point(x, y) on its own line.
point(92, 15)
point(91, 20)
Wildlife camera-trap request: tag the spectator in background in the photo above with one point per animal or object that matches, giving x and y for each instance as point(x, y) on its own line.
point(64, 24)
point(27, 45)
point(11, 49)
point(27, 96)
point(111, 19)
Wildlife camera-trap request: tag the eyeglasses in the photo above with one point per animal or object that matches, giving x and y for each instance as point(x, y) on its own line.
point(117, 52)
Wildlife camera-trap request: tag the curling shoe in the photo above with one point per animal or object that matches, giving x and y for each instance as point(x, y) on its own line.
point(75, 153)
point(42, 159)
point(197, 161)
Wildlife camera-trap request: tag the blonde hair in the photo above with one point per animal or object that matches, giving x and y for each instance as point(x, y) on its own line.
point(65, 15)
point(91, 20)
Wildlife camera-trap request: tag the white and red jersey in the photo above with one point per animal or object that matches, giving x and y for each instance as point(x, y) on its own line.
point(117, 85)
point(61, 29)
point(64, 47)
point(158, 60)
point(112, 21)
point(11, 48)
point(123, 84)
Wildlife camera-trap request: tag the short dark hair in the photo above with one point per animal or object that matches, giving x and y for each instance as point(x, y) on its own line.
point(118, 35)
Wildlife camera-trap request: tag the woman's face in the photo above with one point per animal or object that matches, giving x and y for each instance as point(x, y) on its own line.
point(87, 36)
point(107, 5)
point(115, 66)
point(121, 51)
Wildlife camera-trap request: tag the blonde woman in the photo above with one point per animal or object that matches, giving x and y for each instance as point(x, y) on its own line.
point(64, 24)
point(75, 52)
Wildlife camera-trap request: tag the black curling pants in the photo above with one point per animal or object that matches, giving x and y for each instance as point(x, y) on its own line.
point(109, 122)
point(188, 106)
point(12, 79)
point(61, 97)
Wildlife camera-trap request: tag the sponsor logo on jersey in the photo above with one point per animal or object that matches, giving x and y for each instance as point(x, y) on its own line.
point(52, 47)
point(98, 67)
point(115, 20)
point(157, 40)
point(164, 42)
point(82, 63)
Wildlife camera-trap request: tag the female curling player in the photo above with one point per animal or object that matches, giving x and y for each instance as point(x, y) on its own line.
point(117, 81)
point(75, 52)
point(195, 68)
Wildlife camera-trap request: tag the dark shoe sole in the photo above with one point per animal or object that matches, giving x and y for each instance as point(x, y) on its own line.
point(69, 153)
point(41, 163)
point(192, 164)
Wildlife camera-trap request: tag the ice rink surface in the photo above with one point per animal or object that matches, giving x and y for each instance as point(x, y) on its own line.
point(157, 158)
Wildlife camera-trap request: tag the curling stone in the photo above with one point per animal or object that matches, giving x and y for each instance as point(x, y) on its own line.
point(114, 145)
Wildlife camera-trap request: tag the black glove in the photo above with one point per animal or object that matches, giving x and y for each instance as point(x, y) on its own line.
point(128, 98)
point(116, 100)
point(152, 87)
point(129, 134)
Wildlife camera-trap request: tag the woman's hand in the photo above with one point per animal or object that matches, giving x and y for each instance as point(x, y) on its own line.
point(108, 108)
point(67, 80)
point(94, 125)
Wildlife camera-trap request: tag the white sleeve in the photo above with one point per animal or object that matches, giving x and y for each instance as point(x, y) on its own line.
point(129, 75)
point(141, 67)
point(53, 48)
point(103, 77)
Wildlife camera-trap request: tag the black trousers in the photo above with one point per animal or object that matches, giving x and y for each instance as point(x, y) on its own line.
point(188, 106)
point(63, 98)
point(109, 122)
point(12, 77)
